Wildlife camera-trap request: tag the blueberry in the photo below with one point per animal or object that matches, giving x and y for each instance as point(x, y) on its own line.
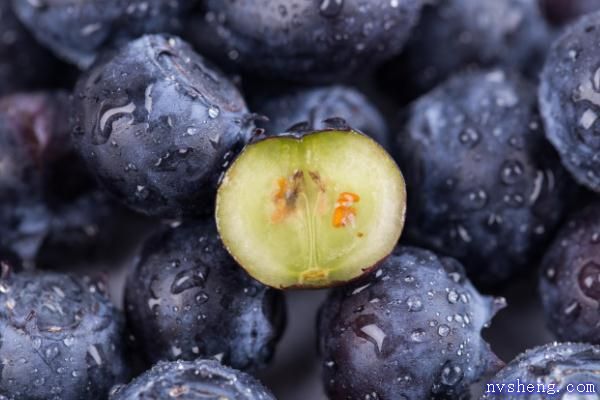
point(562, 11)
point(193, 380)
point(61, 338)
point(320, 40)
point(484, 186)
point(186, 298)
point(157, 124)
point(45, 218)
point(458, 34)
point(570, 278)
point(21, 56)
point(557, 364)
point(77, 31)
point(569, 102)
point(315, 106)
point(410, 331)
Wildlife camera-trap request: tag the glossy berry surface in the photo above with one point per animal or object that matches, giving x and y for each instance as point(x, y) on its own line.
point(561, 364)
point(21, 55)
point(61, 338)
point(186, 298)
point(486, 187)
point(312, 108)
point(78, 30)
point(462, 34)
point(157, 124)
point(561, 12)
point(193, 380)
point(318, 40)
point(409, 331)
point(569, 101)
point(570, 279)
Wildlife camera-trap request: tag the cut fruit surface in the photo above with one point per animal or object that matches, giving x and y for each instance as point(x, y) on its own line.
point(311, 211)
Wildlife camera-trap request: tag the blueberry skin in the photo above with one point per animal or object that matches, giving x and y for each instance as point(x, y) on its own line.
point(561, 12)
point(315, 106)
point(186, 298)
point(484, 186)
point(307, 41)
point(557, 363)
point(192, 380)
point(410, 331)
point(157, 124)
point(62, 339)
point(459, 34)
point(21, 56)
point(78, 31)
point(570, 279)
point(34, 133)
point(568, 100)
point(50, 211)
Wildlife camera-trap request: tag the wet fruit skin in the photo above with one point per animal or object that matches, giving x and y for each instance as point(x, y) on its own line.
point(192, 380)
point(568, 98)
point(454, 35)
point(41, 213)
point(561, 12)
point(570, 279)
point(185, 287)
point(20, 56)
point(315, 41)
point(311, 108)
point(409, 331)
point(157, 124)
point(556, 363)
point(78, 31)
point(486, 187)
point(61, 338)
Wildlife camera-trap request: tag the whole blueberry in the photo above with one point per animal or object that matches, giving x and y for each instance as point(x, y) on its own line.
point(570, 278)
point(186, 298)
point(484, 185)
point(78, 30)
point(318, 40)
point(21, 56)
point(554, 371)
point(454, 35)
point(569, 101)
point(157, 125)
point(411, 331)
point(192, 380)
point(62, 339)
point(313, 107)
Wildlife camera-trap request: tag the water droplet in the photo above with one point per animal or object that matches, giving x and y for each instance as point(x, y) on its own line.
point(589, 280)
point(418, 335)
point(201, 298)
point(469, 137)
point(184, 280)
point(331, 8)
point(451, 374)
point(452, 297)
point(443, 330)
point(476, 199)
point(375, 335)
point(414, 303)
point(213, 112)
point(511, 172)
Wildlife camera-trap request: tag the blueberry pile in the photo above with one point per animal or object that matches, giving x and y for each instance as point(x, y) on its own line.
point(299, 199)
